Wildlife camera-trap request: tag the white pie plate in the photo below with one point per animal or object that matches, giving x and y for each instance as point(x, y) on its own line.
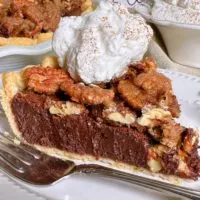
point(179, 38)
point(82, 187)
point(15, 57)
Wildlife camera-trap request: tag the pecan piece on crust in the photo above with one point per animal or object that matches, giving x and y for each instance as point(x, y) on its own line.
point(45, 80)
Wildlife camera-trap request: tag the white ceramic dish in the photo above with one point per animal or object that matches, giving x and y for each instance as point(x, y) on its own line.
point(90, 187)
point(182, 40)
point(15, 57)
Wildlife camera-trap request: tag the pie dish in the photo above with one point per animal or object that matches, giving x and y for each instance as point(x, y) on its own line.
point(32, 22)
point(128, 122)
point(176, 34)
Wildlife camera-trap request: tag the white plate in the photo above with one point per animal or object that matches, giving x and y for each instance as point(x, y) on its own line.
point(32, 50)
point(15, 57)
point(187, 89)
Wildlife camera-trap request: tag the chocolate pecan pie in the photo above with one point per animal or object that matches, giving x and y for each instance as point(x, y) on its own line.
point(28, 22)
point(128, 122)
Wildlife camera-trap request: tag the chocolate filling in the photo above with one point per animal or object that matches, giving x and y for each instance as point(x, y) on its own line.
point(77, 133)
point(84, 135)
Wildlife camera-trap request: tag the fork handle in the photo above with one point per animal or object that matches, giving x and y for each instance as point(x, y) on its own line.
point(141, 181)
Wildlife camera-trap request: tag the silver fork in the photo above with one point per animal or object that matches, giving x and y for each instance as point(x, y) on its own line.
point(31, 166)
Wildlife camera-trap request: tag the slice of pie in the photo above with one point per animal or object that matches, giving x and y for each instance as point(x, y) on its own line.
point(28, 22)
point(126, 123)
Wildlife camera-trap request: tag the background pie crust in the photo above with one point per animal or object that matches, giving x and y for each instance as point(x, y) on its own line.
point(24, 41)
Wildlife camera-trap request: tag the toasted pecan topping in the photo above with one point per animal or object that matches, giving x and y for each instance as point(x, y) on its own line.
point(190, 140)
point(155, 84)
point(88, 94)
point(135, 97)
point(50, 80)
point(170, 100)
point(149, 88)
point(45, 80)
point(147, 65)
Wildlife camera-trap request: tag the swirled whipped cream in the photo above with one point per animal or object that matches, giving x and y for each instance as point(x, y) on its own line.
point(179, 11)
point(98, 46)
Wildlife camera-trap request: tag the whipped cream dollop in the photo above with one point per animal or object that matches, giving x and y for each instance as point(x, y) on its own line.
point(98, 46)
point(179, 11)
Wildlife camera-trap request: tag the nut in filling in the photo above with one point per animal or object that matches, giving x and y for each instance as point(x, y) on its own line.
point(149, 114)
point(161, 126)
point(154, 161)
point(173, 160)
point(69, 108)
point(119, 114)
point(190, 140)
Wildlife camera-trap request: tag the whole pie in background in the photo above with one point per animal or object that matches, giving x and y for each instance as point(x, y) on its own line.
point(28, 22)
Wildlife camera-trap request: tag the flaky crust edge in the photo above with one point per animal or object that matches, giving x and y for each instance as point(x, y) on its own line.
point(42, 37)
point(12, 84)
